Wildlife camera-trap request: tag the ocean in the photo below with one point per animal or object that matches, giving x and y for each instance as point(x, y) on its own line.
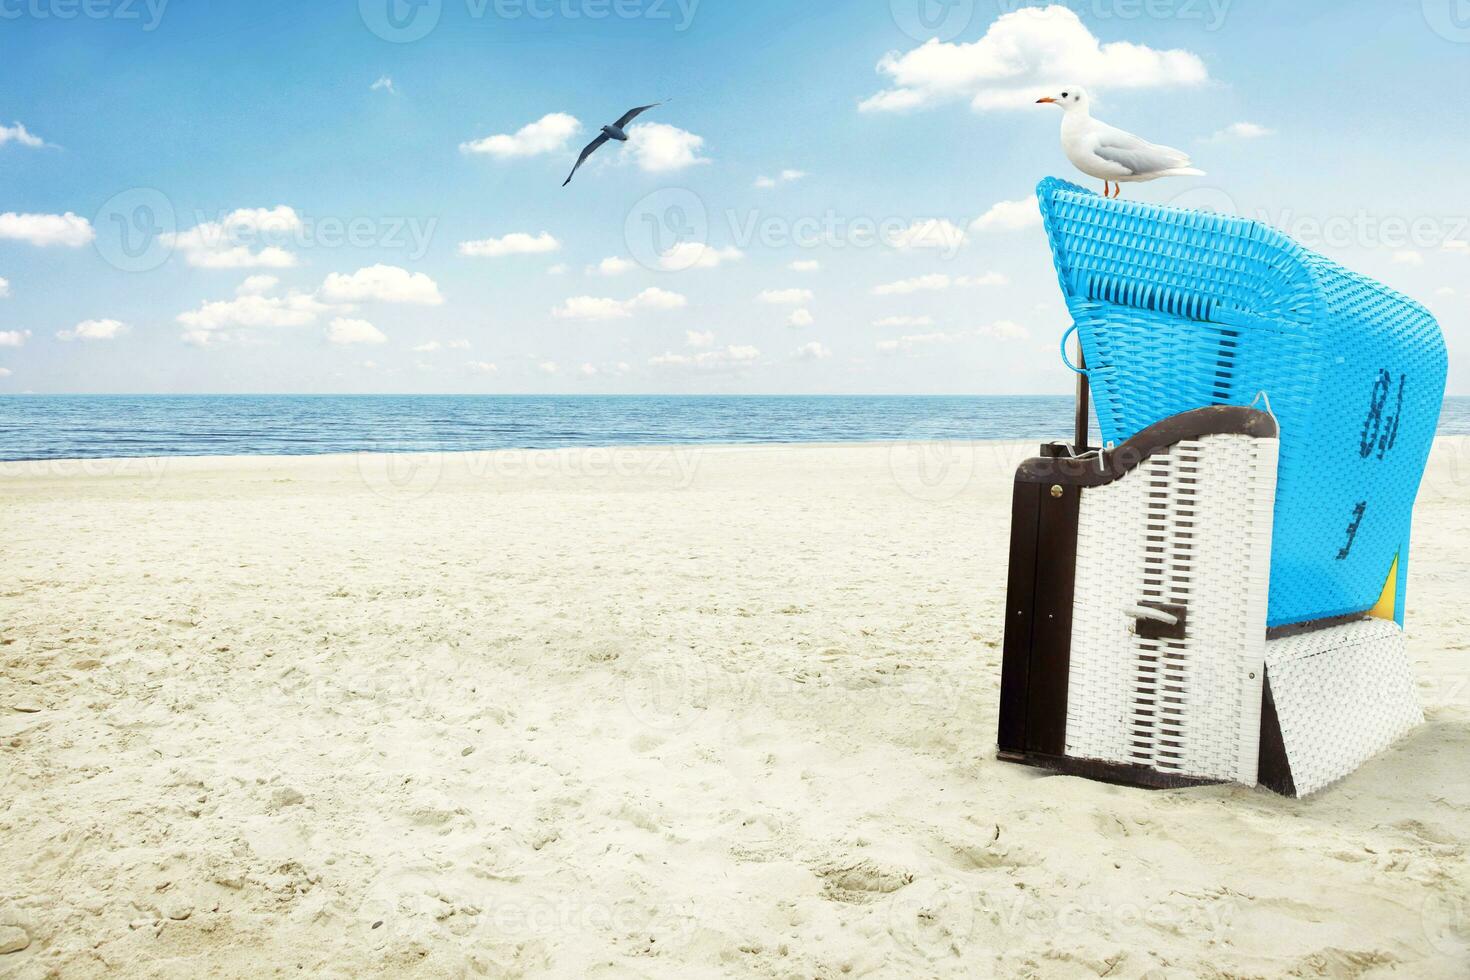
point(101, 426)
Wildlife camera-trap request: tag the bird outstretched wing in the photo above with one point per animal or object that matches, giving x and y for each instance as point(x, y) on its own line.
point(632, 114)
point(1138, 155)
point(587, 151)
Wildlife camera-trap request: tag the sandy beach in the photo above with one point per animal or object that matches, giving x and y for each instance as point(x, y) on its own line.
point(636, 712)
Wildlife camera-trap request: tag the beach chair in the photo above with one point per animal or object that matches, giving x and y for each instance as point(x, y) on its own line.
point(1218, 595)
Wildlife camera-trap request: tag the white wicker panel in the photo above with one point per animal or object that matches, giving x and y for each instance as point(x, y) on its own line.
point(1343, 695)
point(1190, 527)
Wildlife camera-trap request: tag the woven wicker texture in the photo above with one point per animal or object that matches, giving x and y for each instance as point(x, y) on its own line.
point(1189, 527)
point(1180, 309)
point(1343, 695)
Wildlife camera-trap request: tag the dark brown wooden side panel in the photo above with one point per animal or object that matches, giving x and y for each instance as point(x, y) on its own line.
point(1274, 768)
point(1051, 634)
point(1020, 599)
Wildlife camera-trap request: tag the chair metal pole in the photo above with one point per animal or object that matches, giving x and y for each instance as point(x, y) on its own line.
point(1084, 392)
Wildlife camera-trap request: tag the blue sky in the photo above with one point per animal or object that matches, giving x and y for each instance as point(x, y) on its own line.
point(311, 206)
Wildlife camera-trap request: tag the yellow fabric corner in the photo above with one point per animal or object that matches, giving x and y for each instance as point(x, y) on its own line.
point(1389, 597)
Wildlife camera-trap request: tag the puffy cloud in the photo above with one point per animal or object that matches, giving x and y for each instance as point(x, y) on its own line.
point(14, 338)
point(253, 310)
point(344, 330)
point(697, 255)
point(4, 287)
point(549, 134)
point(257, 285)
point(67, 230)
point(560, 269)
point(598, 308)
point(515, 243)
point(1009, 216)
point(660, 148)
point(481, 367)
point(732, 356)
point(1004, 330)
point(1243, 131)
point(937, 233)
point(384, 84)
point(804, 265)
point(813, 351)
point(613, 265)
point(784, 177)
point(800, 318)
point(94, 330)
point(587, 370)
point(5, 372)
point(384, 283)
point(698, 339)
point(548, 367)
point(935, 281)
point(904, 321)
point(19, 134)
point(909, 343)
point(1025, 53)
point(785, 297)
point(226, 244)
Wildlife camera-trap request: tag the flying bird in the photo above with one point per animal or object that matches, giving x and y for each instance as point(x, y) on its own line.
point(1109, 153)
point(613, 132)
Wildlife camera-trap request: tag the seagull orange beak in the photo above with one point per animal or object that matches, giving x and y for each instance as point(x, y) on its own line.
point(1047, 99)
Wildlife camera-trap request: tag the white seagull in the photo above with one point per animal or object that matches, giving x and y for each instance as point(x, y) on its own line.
point(1109, 153)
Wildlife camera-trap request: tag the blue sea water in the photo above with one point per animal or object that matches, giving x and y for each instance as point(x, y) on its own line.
point(96, 426)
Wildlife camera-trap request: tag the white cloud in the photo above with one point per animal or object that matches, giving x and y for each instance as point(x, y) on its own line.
point(908, 344)
point(1408, 258)
point(560, 269)
point(251, 310)
point(1023, 54)
point(257, 285)
point(343, 331)
point(613, 265)
point(804, 265)
point(1004, 330)
point(784, 177)
point(800, 318)
point(698, 340)
point(428, 347)
point(384, 84)
point(1445, 291)
point(661, 148)
point(732, 356)
point(384, 283)
point(515, 243)
point(935, 281)
point(549, 134)
point(481, 367)
point(226, 244)
point(5, 372)
point(814, 351)
point(1243, 131)
point(94, 330)
point(697, 255)
point(599, 308)
point(547, 367)
point(785, 297)
point(13, 338)
point(19, 134)
point(67, 230)
point(4, 287)
point(587, 370)
point(937, 233)
point(904, 321)
point(1009, 216)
